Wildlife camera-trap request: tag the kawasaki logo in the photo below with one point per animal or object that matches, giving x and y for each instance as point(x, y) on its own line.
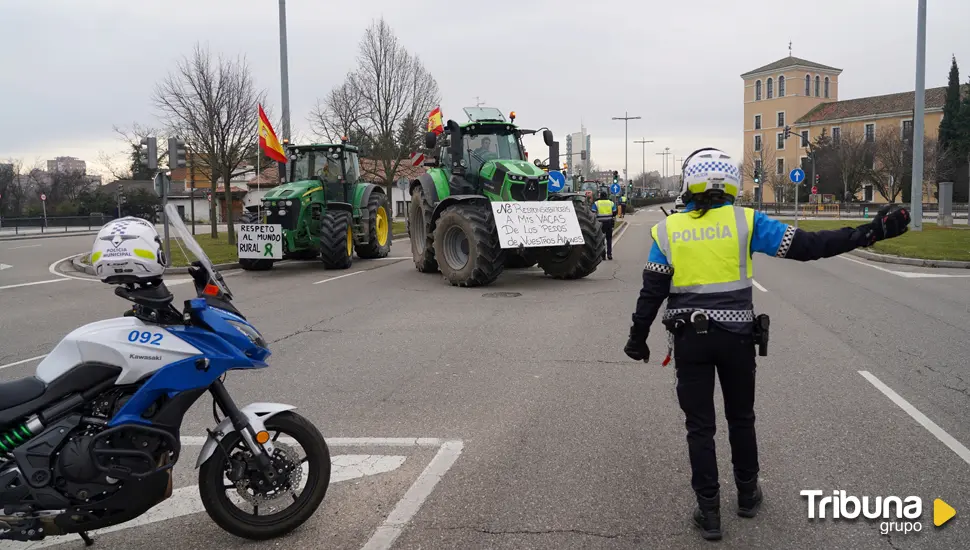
point(145, 357)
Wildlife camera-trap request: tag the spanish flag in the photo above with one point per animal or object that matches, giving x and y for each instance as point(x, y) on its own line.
point(267, 139)
point(434, 121)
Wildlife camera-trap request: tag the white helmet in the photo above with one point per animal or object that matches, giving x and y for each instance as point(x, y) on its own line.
point(128, 250)
point(710, 169)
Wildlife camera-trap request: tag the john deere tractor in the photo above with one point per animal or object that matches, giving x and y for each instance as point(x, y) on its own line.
point(325, 211)
point(450, 220)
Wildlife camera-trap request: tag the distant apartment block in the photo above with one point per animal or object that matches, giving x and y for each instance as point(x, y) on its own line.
point(67, 164)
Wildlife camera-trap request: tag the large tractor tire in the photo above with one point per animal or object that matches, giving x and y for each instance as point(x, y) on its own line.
point(520, 260)
point(576, 261)
point(254, 264)
point(379, 235)
point(419, 231)
point(336, 240)
point(467, 246)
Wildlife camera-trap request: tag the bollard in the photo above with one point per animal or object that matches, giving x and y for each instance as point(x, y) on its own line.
point(865, 212)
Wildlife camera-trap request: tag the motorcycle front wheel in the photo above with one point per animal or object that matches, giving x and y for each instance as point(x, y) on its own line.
point(237, 476)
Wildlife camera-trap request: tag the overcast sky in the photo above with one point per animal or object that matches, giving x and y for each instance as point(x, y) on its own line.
point(72, 69)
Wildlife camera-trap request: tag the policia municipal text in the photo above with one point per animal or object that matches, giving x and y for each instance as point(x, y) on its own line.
point(701, 263)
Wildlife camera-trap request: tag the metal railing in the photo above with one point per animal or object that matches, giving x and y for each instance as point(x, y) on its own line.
point(53, 224)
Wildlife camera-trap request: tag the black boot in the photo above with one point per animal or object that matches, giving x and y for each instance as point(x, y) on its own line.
point(750, 497)
point(707, 516)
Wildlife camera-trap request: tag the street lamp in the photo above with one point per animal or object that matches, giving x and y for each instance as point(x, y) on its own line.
point(643, 169)
point(916, 191)
point(626, 118)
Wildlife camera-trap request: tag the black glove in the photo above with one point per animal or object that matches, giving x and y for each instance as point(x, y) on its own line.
point(636, 346)
point(891, 221)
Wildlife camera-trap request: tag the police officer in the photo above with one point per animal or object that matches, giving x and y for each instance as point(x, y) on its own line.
point(622, 206)
point(605, 210)
point(700, 262)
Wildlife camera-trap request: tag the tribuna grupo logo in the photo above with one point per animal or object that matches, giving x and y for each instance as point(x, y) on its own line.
point(896, 514)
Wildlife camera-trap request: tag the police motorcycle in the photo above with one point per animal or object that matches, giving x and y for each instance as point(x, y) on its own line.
point(90, 441)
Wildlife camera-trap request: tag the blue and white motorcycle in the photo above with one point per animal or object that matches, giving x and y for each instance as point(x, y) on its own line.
point(91, 440)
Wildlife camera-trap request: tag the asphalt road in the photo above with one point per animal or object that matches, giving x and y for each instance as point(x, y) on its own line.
point(543, 434)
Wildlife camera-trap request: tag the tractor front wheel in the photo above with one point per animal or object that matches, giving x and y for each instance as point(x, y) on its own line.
point(379, 235)
point(255, 264)
point(576, 261)
point(466, 246)
point(419, 231)
point(336, 240)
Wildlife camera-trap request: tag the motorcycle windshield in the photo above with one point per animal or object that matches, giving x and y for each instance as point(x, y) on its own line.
point(189, 243)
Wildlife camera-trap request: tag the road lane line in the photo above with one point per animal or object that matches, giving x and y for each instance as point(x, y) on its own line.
point(22, 361)
point(866, 264)
point(25, 246)
point(340, 277)
point(912, 411)
point(53, 271)
point(908, 274)
point(33, 283)
point(758, 286)
point(411, 502)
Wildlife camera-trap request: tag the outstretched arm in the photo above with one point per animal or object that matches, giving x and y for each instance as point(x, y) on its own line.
point(775, 238)
point(656, 286)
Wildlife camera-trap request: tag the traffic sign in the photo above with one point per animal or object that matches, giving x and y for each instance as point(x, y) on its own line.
point(615, 188)
point(43, 197)
point(416, 159)
point(557, 181)
point(797, 175)
point(814, 190)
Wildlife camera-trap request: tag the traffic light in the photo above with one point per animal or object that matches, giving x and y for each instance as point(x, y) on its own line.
point(582, 155)
point(176, 153)
point(616, 176)
point(148, 153)
point(787, 132)
point(757, 176)
point(816, 178)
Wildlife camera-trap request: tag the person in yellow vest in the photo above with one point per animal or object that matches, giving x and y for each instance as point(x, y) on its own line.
point(622, 206)
point(605, 211)
point(700, 263)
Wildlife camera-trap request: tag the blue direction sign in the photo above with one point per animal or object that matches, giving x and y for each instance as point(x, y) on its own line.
point(557, 181)
point(797, 175)
point(615, 188)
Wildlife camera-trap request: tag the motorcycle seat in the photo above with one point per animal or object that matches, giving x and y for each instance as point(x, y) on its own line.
point(20, 391)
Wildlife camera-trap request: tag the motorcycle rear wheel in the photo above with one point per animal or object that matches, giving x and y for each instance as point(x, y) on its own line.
point(214, 487)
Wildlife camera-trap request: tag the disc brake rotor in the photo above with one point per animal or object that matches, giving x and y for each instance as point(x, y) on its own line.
point(283, 455)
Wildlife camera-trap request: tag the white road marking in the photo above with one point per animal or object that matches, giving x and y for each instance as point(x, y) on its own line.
point(420, 490)
point(908, 274)
point(912, 411)
point(33, 283)
point(339, 277)
point(53, 271)
point(25, 246)
point(21, 362)
point(5, 266)
point(185, 500)
point(758, 286)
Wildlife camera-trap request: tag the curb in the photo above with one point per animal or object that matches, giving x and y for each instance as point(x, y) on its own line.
point(918, 262)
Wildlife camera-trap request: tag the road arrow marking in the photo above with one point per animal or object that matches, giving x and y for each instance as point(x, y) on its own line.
point(5, 266)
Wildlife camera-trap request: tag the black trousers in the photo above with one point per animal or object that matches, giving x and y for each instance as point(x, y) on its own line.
point(608, 230)
point(697, 356)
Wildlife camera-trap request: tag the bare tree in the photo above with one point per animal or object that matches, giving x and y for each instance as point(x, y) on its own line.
point(382, 105)
point(766, 159)
point(130, 167)
point(852, 155)
point(212, 104)
point(15, 186)
point(891, 156)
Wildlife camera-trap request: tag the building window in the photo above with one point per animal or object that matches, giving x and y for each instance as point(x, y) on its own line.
point(836, 134)
point(818, 83)
point(757, 91)
point(867, 190)
point(908, 130)
point(781, 141)
point(870, 133)
point(826, 87)
point(808, 85)
point(757, 122)
point(402, 207)
point(771, 89)
point(781, 166)
point(781, 119)
point(805, 141)
point(781, 86)
point(757, 143)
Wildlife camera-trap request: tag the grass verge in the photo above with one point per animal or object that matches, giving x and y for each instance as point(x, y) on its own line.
point(398, 228)
point(932, 243)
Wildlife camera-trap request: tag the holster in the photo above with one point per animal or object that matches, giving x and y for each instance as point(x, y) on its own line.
point(760, 333)
point(679, 322)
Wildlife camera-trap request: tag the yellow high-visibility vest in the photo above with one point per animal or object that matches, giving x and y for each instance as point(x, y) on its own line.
point(604, 209)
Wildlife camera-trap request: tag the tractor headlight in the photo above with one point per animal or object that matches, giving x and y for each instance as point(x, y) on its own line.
point(543, 178)
point(289, 203)
point(282, 211)
point(249, 332)
point(516, 177)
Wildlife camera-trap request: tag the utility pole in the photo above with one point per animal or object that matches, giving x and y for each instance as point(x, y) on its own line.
point(626, 118)
point(643, 143)
point(916, 191)
point(284, 73)
point(664, 154)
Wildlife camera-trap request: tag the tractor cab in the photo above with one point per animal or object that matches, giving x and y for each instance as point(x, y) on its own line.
point(335, 166)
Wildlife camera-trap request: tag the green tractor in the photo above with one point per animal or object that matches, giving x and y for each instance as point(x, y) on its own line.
point(325, 210)
point(450, 220)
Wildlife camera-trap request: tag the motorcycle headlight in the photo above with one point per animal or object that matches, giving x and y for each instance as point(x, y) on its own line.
point(254, 336)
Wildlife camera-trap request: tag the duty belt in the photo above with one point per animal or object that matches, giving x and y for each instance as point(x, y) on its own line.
point(722, 315)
